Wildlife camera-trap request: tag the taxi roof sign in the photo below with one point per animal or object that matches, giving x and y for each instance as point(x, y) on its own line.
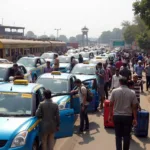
point(56, 73)
point(98, 57)
point(86, 62)
point(21, 82)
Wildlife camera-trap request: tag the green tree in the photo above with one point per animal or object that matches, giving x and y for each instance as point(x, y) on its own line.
point(130, 34)
point(144, 40)
point(116, 34)
point(30, 35)
point(63, 38)
point(142, 8)
point(105, 37)
point(72, 39)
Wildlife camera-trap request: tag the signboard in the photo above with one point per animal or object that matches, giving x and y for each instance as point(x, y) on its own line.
point(118, 43)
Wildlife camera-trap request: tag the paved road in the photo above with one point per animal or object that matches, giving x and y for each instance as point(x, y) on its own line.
point(101, 138)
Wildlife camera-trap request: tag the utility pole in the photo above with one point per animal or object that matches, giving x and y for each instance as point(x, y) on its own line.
point(57, 32)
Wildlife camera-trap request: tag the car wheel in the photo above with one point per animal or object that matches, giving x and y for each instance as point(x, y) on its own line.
point(35, 146)
point(34, 78)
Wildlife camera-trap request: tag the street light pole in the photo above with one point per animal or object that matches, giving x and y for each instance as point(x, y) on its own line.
point(57, 32)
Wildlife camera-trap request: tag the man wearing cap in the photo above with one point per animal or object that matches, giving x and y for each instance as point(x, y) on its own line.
point(138, 70)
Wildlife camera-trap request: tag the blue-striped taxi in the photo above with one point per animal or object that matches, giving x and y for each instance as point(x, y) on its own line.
point(34, 65)
point(19, 128)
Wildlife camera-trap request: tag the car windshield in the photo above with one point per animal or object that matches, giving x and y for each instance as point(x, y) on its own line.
point(85, 55)
point(55, 85)
point(15, 104)
point(27, 62)
point(76, 56)
point(64, 59)
point(86, 70)
point(48, 56)
point(3, 72)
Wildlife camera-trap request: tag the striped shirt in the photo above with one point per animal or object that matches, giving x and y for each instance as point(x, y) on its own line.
point(137, 86)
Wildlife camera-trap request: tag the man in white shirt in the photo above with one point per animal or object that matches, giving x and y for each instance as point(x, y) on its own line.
point(115, 80)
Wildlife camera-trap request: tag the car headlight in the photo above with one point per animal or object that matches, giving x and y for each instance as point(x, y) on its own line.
point(62, 105)
point(20, 139)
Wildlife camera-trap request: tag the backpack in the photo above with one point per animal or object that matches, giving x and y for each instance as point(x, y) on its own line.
point(89, 97)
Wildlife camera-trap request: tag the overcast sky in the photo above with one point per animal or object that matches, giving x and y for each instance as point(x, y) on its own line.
point(43, 16)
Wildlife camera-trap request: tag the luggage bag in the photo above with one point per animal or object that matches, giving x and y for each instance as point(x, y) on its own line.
point(107, 124)
point(141, 129)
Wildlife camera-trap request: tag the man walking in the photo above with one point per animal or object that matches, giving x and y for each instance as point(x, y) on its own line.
point(108, 77)
point(115, 80)
point(138, 70)
point(147, 70)
point(125, 72)
point(125, 104)
point(84, 120)
point(49, 112)
point(100, 76)
point(119, 64)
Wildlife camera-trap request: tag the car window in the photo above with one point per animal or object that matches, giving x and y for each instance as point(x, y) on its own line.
point(41, 91)
point(48, 56)
point(55, 85)
point(64, 59)
point(23, 70)
point(86, 70)
point(38, 61)
point(19, 103)
point(42, 61)
point(91, 84)
point(3, 72)
point(72, 82)
point(27, 62)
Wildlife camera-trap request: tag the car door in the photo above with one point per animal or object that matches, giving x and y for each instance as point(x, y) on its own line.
point(66, 121)
point(75, 100)
point(91, 84)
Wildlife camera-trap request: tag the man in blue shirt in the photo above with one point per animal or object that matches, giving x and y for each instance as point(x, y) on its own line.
point(100, 76)
point(139, 69)
point(140, 57)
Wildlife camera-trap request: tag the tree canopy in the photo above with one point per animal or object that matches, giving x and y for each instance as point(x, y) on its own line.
point(107, 36)
point(142, 8)
point(137, 31)
point(63, 38)
point(31, 35)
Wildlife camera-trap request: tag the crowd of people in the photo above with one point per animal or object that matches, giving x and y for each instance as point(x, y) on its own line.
point(124, 79)
point(121, 80)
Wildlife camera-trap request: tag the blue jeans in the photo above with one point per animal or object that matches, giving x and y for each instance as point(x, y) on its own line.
point(123, 125)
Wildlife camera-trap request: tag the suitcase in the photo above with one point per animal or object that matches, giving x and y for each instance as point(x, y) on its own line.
point(141, 129)
point(107, 124)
